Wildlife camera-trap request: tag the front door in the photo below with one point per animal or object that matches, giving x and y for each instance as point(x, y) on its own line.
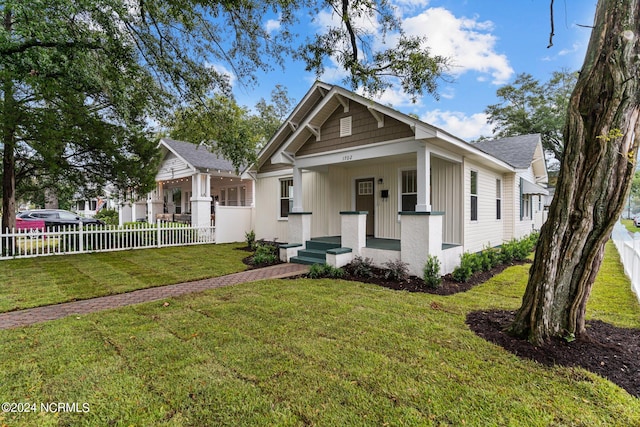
point(365, 201)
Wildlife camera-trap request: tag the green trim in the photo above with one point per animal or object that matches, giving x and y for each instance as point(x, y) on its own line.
point(420, 213)
point(354, 212)
point(290, 245)
point(339, 251)
point(299, 213)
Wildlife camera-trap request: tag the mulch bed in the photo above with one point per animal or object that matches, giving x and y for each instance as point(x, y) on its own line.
point(416, 284)
point(609, 351)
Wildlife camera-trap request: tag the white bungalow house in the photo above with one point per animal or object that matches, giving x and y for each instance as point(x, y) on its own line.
point(346, 176)
point(195, 186)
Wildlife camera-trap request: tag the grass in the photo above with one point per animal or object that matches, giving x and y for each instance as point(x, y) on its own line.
point(32, 282)
point(308, 352)
point(629, 224)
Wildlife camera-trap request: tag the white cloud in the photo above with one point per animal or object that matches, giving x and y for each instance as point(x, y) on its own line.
point(225, 71)
point(468, 43)
point(459, 124)
point(272, 25)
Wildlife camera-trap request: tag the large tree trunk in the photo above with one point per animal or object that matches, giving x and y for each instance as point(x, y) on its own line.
point(9, 147)
point(601, 140)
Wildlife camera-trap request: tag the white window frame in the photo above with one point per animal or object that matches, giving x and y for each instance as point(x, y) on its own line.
point(288, 196)
point(400, 185)
point(498, 199)
point(527, 204)
point(473, 195)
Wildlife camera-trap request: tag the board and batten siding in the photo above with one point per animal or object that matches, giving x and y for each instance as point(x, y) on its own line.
point(486, 230)
point(327, 192)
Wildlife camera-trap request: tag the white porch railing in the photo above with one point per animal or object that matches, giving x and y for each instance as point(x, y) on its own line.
point(628, 246)
point(73, 240)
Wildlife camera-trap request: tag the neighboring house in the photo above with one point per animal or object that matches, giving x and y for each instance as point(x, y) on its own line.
point(374, 182)
point(192, 185)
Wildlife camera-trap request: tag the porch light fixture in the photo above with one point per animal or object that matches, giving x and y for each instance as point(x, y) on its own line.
point(380, 181)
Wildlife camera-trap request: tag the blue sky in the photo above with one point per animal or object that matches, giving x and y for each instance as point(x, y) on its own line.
point(489, 42)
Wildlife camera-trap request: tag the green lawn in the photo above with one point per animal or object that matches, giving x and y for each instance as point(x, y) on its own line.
point(32, 282)
point(629, 224)
point(308, 352)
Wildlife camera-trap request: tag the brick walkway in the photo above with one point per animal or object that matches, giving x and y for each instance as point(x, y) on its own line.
point(30, 316)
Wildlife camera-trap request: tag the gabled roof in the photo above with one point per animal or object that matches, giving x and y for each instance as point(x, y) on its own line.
point(518, 151)
point(197, 156)
point(322, 99)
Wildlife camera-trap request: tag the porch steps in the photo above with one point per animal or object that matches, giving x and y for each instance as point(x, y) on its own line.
point(315, 253)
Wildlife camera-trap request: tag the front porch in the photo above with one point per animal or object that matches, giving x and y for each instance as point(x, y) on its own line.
point(421, 237)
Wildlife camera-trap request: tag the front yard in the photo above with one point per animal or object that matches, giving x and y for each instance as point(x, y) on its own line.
point(32, 282)
point(307, 352)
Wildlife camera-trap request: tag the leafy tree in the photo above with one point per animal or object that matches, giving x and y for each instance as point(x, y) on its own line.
point(224, 126)
point(80, 80)
point(220, 124)
point(527, 106)
point(601, 144)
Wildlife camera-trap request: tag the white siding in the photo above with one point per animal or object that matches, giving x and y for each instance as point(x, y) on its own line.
point(487, 230)
point(326, 193)
point(267, 225)
point(172, 167)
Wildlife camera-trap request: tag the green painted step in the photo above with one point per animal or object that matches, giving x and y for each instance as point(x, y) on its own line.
point(316, 244)
point(305, 260)
point(319, 254)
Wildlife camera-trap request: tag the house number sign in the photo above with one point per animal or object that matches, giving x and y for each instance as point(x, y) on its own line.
point(347, 158)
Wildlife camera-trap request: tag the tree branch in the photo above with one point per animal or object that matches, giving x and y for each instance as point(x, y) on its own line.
point(552, 26)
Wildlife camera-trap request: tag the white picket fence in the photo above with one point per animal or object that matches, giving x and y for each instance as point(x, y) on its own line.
point(74, 240)
point(628, 246)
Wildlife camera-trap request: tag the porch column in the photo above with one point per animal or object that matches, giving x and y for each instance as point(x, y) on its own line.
point(139, 210)
point(423, 171)
point(354, 230)
point(125, 214)
point(155, 203)
point(299, 227)
point(420, 235)
point(297, 190)
point(200, 200)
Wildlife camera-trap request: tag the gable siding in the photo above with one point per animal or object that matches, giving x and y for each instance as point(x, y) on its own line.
point(173, 167)
point(364, 131)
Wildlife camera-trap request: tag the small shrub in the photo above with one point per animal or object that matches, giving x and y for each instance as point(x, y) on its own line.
point(266, 253)
point(250, 238)
point(361, 267)
point(109, 216)
point(319, 271)
point(396, 271)
point(490, 258)
point(465, 270)
point(431, 272)
point(507, 251)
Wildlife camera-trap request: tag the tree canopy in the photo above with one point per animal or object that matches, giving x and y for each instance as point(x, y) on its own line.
point(81, 81)
point(229, 129)
point(528, 106)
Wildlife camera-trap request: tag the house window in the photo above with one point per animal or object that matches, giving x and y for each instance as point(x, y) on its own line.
point(526, 206)
point(498, 199)
point(474, 196)
point(345, 126)
point(409, 190)
point(80, 205)
point(286, 197)
point(365, 188)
